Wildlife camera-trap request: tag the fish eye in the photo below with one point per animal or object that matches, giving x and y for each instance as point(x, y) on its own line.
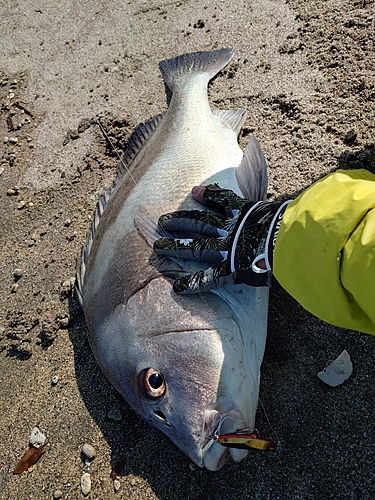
point(151, 383)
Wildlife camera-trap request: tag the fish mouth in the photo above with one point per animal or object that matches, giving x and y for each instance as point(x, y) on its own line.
point(213, 453)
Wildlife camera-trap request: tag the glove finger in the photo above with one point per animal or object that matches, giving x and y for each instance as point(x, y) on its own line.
point(211, 250)
point(194, 221)
point(224, 201)
point(204, 281)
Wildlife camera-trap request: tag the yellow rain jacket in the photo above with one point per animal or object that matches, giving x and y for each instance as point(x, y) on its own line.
point(325, 250)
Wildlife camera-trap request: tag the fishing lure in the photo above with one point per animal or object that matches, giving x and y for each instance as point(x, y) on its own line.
point(244, 440)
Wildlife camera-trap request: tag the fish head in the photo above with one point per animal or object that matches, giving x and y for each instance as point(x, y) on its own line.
point(179, 361)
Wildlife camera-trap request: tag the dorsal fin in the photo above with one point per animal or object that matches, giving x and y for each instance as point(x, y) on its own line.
point(81, 266)
point(251, 174)
point(138, 138)
point(234, 117)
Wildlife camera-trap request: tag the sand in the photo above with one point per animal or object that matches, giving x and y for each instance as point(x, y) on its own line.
point(304, 70)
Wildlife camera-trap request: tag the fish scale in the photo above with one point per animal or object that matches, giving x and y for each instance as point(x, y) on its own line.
point(181, 362)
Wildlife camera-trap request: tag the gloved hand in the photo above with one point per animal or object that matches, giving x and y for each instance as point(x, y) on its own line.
point(239, 240)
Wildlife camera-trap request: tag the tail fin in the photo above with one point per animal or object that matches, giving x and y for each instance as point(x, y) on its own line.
point(210, 62)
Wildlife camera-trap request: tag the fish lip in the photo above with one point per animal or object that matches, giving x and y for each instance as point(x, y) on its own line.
point(214, 456)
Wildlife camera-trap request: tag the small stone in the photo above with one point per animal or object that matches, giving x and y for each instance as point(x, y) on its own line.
point(6, 139)
point(116, 484)
point(17, 273)
point(86, 483)
point(67, 223)
point(1, 170)
point(57, 494)
point(2, 332)
point(21, 204)
point(133, 482)
point(14, 287)
point(72, 236)
point(89, 451)
point(115, 414)
point(64, 322)
point(67, 288)
point(13, 140)
point(350, 137)
point(31, 243)
point(54, 380)
point(74, 134)
point(37, 438)
point(11, 95)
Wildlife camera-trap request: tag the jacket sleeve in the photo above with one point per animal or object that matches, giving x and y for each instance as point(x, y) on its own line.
point(325, 251)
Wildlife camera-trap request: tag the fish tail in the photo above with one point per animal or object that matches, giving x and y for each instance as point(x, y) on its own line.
point(211, 62)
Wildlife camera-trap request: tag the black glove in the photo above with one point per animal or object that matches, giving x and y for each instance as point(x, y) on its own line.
point(241, 246)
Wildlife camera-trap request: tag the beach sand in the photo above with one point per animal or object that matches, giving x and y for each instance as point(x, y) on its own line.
point(304, 70)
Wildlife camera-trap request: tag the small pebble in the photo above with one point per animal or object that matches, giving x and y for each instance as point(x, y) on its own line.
point(21, 204)
point(89, 451)
point(64, 322)
point(37, 438)
point(116, 484)
point(85, 483)
point(14, 287)
point(1, 170)
point(11, 95)
point(31, 243)
point(67, 288)
point(115, 414)
point(54, 380)
point(13, 140)
point(57, 494)
point(17, 273)
point(6, 139)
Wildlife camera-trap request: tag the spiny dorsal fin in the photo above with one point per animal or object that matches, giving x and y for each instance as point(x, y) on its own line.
point(81, 266)
point(138, 138)
point(234, 117)
point(251, 174)
point(210, 62)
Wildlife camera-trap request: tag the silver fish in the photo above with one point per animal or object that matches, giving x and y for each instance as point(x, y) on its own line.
point(188, 365)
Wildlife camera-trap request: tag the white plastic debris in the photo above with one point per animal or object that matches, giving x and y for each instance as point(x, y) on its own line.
point(338, 371)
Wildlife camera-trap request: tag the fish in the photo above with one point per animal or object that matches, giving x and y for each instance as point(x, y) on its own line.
point(187, 365)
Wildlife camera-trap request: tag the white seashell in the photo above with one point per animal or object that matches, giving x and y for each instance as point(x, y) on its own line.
point(338, 371)
point(37, 438)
